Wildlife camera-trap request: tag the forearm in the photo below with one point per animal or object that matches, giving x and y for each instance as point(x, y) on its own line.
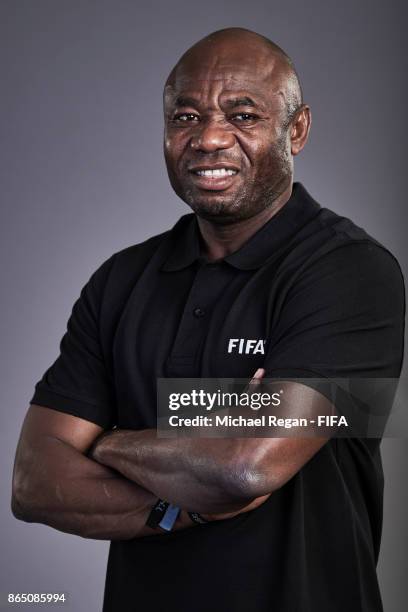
point(191, 473)
point(216, 475)
point(77, 495)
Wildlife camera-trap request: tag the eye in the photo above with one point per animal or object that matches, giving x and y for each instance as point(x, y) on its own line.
point(185, 117)
point(244, 117)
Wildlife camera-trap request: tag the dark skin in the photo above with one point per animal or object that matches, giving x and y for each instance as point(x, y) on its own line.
point(226, 104)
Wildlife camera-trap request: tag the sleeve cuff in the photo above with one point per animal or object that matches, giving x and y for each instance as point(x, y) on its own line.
point(100, 415)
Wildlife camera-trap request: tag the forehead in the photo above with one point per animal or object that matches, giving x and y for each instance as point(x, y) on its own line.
point(220, 77)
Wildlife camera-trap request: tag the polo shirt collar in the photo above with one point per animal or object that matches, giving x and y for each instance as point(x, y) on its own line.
point(297, 211)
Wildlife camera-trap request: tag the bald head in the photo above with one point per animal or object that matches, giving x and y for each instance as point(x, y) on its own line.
point(234, 120)
point(236, 46)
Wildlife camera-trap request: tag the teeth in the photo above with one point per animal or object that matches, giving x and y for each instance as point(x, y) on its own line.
point(216, 172)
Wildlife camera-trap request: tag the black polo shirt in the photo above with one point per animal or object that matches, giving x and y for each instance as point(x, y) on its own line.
point(326, 299)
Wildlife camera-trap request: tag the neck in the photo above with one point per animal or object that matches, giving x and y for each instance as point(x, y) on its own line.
point(220, 240)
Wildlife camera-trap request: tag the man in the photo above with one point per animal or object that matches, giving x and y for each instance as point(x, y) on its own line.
point(292, 524)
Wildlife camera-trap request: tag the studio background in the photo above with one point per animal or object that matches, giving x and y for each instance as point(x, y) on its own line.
point(82, 176)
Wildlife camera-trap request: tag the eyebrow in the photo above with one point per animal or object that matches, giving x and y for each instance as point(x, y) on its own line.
point(185, 101)
point(241, 101)
point(230, 103)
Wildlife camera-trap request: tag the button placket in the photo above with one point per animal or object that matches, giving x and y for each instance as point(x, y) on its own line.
point(193, 323)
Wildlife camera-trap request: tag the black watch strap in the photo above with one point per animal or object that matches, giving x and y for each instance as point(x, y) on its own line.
point(157, 513)
point(163, 515)
point(197, 518)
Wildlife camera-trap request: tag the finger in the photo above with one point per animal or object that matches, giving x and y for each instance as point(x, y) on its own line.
point(260, 373)
point(255, 380)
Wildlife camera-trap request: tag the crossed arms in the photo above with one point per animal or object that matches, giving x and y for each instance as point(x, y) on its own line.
point(71, 475)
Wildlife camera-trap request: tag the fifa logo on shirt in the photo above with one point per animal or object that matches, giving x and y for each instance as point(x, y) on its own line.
point(245, 346)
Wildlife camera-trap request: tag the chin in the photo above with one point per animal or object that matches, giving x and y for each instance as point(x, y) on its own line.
point(215, 206)
point(218, 209)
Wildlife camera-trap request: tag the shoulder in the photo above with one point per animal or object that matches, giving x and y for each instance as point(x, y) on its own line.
point(350, 249)
point(354, 268)
point(334, 243)
point(332, 261)
point(129, 262)
point(111, 284)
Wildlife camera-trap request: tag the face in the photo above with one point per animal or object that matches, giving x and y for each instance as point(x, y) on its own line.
point(227, 147)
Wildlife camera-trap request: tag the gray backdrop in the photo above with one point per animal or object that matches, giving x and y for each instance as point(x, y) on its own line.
point(82, 176)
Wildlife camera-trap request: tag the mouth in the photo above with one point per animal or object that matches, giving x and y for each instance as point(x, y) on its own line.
point(214, 178)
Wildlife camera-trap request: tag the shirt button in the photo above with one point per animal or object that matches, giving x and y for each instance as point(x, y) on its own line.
point(198, 312)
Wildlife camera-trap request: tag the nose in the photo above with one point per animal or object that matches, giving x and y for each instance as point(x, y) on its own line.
point(210, 137)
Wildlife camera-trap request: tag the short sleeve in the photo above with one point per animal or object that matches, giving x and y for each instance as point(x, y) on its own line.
point(343, 318)
point(77, 382)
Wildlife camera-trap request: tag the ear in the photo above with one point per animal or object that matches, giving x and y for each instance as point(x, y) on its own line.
point(299, 130)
